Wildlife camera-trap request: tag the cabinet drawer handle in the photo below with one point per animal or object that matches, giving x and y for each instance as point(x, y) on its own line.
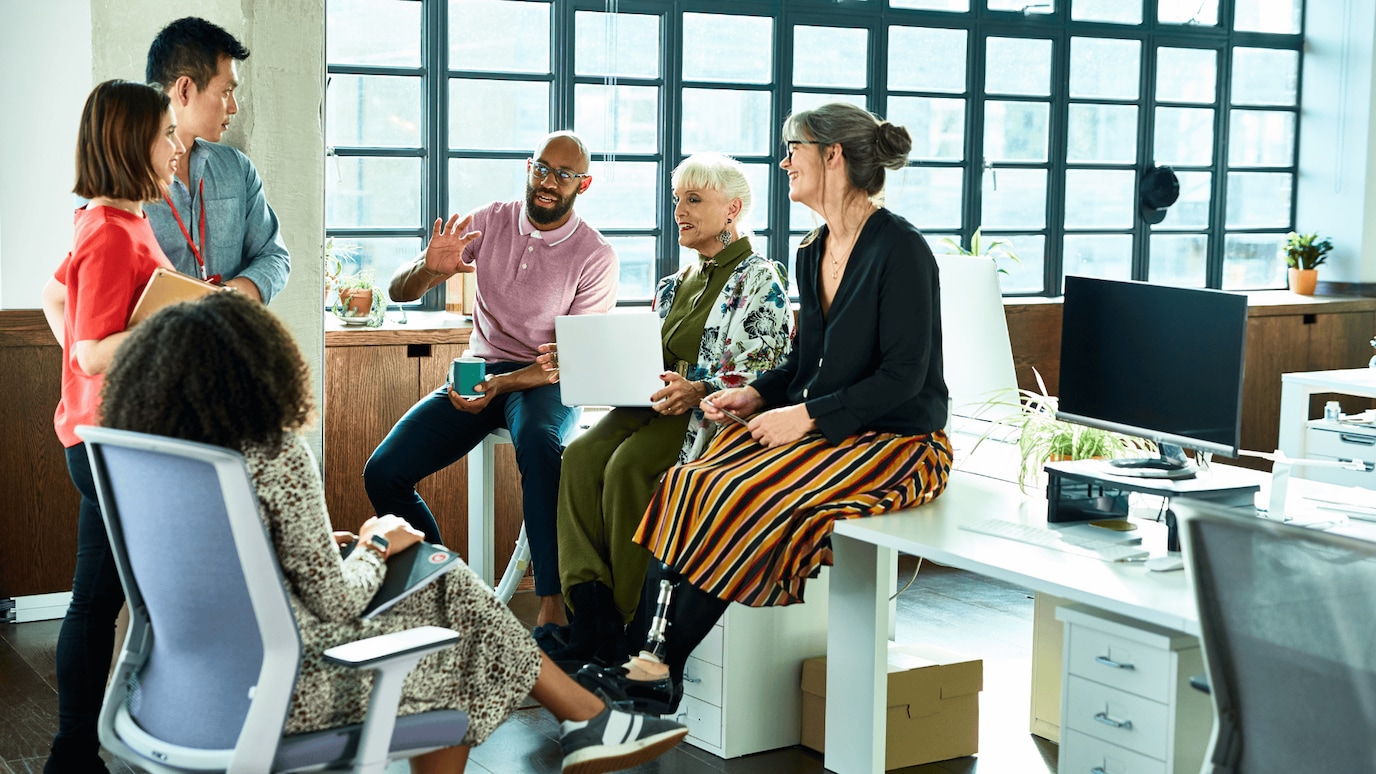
point(681, 717)
point(688, 678)
point(1108, 662)
point(1103, 717)
point(1361, 440)
point(1099, 770)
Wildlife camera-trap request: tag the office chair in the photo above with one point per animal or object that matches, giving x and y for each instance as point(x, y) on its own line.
point(205, 677)
point(1288, 618)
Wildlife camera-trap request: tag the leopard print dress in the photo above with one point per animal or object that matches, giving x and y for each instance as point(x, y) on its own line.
point(486, 674)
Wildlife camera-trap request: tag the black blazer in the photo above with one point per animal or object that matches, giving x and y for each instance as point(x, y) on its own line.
point(874, 361)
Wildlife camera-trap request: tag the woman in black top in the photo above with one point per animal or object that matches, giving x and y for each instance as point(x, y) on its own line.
point(849, 426)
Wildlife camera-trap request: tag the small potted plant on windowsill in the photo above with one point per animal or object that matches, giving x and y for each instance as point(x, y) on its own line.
point(1304, 253)
point(354, 297)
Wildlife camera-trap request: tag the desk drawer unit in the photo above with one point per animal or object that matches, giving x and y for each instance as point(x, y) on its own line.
point(1329, 441)
point(1127, 705)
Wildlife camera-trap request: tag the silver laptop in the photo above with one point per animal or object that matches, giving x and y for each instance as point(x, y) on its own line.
point(609, 359)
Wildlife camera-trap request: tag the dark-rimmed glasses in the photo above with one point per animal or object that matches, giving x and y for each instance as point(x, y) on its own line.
point(792, 145)
point(541, 171)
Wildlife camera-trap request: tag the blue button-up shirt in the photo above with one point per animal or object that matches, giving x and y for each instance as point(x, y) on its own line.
point(242, 232)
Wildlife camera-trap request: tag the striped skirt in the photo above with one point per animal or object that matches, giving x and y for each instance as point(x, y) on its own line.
point(750, 525)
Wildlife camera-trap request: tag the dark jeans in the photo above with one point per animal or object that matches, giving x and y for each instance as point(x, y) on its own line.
point(434, 435)
point(87, 639)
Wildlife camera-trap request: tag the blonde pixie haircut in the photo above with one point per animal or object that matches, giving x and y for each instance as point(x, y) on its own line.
point(718, 172)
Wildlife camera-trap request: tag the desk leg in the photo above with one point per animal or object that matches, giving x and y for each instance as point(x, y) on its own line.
point(482, 510)
point(1294, 414)
point(857, 656)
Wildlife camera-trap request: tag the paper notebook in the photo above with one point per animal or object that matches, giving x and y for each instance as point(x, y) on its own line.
point(167, 287)
point(407, 572)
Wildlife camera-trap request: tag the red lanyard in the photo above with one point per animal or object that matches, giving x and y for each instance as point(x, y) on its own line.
point(195, 251)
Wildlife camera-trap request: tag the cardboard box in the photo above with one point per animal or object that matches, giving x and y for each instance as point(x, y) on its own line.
point(933, 706)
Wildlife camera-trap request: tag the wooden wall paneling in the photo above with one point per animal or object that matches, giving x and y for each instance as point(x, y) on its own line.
point(38, 554)
point(1034, 330)
point(367, 389)
point(1275, 345)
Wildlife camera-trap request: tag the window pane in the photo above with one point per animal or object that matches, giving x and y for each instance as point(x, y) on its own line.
point(372, 193)
point(801, 218)
point(808, 100)
point(1102, 133)
point(1101, 68)
point(1281, 16)
point(758, 244)
point(1018, 66)
point(623, 194)
point(616, 44)
point(1261, 138)
point(497, 114)
point(617, 118)
point(1179, 259)
point(1024, 6)
point(1251, 261)
point(1099, 198)
point(932, 5)
point(739, 49)
point(377, 111)
point(937, 126)
point(926, 73)
point(1259, 199)
point(929, 197)
point(1184, 136)
point(1203, 12)
point(381, 256)
point(1028, 274)
point(1265, 76)
point(1191, 210)
point(758, 175)
point(373, 32)
point(637, 258)
point(1106, 256)
point(1015, 131)
point(1018, 201)
point(1106, 11)
point(511, 36)
point(791, 262)
point(476, 182)
point(1185, 74)
point(732, 121)
point(830, 56)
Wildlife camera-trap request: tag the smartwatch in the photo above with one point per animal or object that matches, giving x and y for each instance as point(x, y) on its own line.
point(379, 544)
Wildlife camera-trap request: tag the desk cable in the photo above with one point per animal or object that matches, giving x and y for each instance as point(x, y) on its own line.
point(910, 580)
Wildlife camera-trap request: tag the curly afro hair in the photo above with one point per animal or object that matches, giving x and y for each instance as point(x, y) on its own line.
point(221, 370)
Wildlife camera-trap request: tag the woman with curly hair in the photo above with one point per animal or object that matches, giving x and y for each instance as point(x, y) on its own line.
point(126, 154)
point(224, 371)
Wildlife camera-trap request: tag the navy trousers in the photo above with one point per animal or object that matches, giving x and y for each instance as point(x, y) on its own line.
point(434, 435)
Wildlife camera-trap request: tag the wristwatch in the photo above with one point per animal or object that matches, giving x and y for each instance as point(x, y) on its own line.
point(379, 544)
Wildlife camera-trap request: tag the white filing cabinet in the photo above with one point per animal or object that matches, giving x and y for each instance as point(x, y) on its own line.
point(1325, 440)
point(742, 686)
point(1127, 706)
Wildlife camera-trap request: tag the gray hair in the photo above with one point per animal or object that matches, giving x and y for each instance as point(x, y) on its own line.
point(718, 172)
point(869, 143)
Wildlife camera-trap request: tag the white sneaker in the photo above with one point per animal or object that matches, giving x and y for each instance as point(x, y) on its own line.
point(615, 740)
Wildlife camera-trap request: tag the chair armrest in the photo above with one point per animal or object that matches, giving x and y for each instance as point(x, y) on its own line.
point(377, 651)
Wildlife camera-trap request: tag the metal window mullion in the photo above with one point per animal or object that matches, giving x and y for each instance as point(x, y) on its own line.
point(1218, 217)
point(671, 136)
point(562, 63)
point(781, 82)
point(1146, 155)
point(971, 215)
point(435, 96)
point(1058, 127)
point(375, 70)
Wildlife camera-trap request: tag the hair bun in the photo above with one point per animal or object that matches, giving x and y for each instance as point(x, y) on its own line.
point(892, 144)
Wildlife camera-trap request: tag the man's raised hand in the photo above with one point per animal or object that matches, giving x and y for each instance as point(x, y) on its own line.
point(444, 254)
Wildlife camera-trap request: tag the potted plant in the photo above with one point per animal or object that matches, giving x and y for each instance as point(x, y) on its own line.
point(354, 297)
point(1042, 438)
point(993, 249)
point(1304, 253)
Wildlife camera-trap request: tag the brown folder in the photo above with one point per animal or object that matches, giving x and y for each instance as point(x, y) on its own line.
point(168, 287)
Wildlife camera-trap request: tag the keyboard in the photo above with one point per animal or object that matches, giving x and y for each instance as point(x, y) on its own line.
point(1107, 550)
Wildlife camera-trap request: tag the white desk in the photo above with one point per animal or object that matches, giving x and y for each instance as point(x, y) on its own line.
point(859, 611)
point(1295, 390)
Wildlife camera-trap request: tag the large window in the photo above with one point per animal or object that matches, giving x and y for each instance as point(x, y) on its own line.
point(1035, 121)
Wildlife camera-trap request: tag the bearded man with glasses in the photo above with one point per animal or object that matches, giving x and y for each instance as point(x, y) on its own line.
point(534, 260)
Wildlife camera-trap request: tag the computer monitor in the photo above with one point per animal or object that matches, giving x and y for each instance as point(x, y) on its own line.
point(1159, 362)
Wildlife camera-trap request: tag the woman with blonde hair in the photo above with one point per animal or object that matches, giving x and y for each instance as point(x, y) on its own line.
point(725, 320)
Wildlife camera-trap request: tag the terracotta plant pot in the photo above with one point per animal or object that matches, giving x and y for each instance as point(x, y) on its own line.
point(356, 302)
point(1302, 281)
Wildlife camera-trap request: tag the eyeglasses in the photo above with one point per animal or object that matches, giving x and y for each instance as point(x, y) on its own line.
point(541, 171)
point(792, 145)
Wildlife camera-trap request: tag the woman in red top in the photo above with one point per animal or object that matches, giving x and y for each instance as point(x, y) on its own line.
point(126, 153)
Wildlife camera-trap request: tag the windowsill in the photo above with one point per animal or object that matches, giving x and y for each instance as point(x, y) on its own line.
point(419, 328)
point(1260, 303)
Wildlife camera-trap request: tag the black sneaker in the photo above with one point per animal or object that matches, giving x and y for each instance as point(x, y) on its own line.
point(615, 740)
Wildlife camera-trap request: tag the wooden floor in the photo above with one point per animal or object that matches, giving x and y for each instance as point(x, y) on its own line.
point(956, 610)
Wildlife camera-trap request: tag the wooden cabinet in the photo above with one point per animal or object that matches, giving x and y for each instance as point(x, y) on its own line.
point(372, 377)
point(38, 553)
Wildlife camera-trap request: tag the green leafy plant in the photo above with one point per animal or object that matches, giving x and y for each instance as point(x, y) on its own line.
point(345, 290)
point(993, 249)
point(1306, 251)
point(1043, 438)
